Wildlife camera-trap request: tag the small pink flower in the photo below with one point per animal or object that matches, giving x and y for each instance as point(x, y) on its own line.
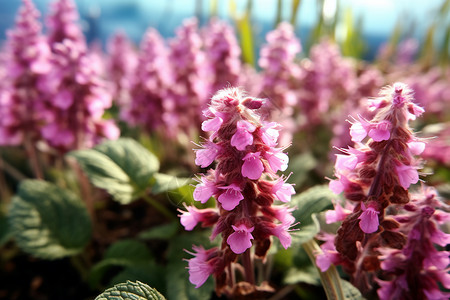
point(212, 124)
point(283, 190)
point(277, 160)
point(358, 130)
point(380, 131)
point(347, 162)
point(338, 214)
point(252, 167)
point(190, 218)
point(282, 233)
point(240, 240)
point(416, 147)
point(231, 197)
point(199, 268)
point(204, 190)
point(269, 134)
point(243, 137)
point(339, 185)
point(407, 175)
point(205, 157)
point(369, 219)
point(283, 214)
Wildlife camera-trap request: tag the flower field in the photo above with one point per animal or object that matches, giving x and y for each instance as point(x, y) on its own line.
point(184, 167)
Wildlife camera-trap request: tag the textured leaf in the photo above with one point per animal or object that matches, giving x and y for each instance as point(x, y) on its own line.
point(306, 232)
point(123, 167)
point(350, 291)
point(177, 276)
point(164, 232)
point(164, 182)
point(130, 290)
point(313, 200)
point(47, 221)
point(125, 253)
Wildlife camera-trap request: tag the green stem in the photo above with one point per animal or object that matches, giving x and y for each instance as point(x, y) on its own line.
point(330, 278)
point(161, 208)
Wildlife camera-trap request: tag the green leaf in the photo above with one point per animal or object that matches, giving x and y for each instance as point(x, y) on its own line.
point(123, 167)
point(301, 166)
point(130, 290)
point(163, 232)
point(164, 183)
point(125, 253)
point(350, 291)
point(177, 276)
point(313, 200)
point(47, 221)
point(306, 232)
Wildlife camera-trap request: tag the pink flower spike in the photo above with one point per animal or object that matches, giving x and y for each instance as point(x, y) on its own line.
point(204, 190)
point(277, 160)
point(240, 240)
point(407, 175)
point(231, 197)
point(199, 268)
point(346, 162)
point(369, 219)
point(212, 124)
point(381, 131)
point(252, 167)
point(336, 186)
point(283, 190)
point(416, 147)
point(283, 214)
point(205, 157)
point(243, 137)
point(269, 134)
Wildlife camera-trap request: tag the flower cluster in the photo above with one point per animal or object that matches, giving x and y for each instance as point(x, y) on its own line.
point(223, 54)
point(149, 103)
point(245, 185)
point(62, 23)
point(188, 95)
point(121, 64)
point(26, 60)
point(419, 266)
point(77, 98)
point(373, 176)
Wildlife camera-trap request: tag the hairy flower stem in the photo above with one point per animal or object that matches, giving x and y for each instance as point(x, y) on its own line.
point(248, 266)
point(374, 188)
point(330, 278)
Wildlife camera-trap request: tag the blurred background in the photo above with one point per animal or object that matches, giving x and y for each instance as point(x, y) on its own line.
point(366, 24)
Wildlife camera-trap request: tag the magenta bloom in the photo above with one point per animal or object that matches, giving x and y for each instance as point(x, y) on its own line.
point(231, 197)
point(200, 267)
point(369, 219)
point(407, 175)
point(243, 137)
point(240, 240)
point(204, 190)
point(252, 167)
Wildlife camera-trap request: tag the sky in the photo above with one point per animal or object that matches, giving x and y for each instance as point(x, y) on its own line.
point(101, 18)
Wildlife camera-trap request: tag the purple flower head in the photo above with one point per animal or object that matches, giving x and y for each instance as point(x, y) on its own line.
point(241, 145)
point(77, 98)
point(26, 59)
point(374, 177)
point(62, 23)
